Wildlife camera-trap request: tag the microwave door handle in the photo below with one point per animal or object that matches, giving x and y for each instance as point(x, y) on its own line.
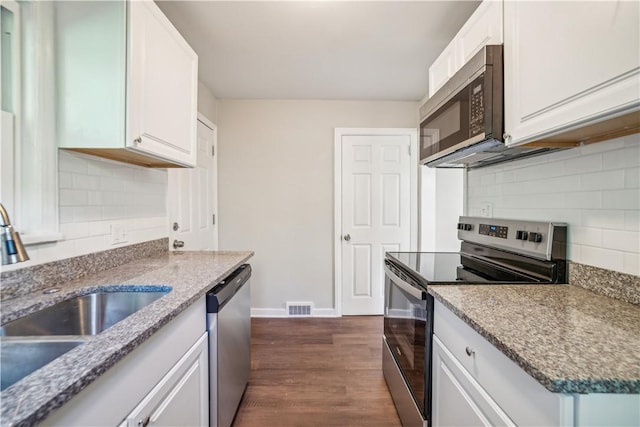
point(411, 290)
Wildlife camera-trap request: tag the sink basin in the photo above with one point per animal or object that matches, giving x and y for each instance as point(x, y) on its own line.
point(20, 358)
point(84, 315)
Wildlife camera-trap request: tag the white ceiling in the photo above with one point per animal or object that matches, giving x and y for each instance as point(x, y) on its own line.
point(360, 50)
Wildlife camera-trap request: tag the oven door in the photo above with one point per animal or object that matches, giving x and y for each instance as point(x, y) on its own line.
point(408, 328)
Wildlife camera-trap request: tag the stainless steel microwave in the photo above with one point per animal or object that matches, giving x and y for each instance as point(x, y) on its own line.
point(464, 120)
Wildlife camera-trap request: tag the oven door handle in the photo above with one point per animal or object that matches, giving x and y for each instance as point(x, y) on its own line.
point(405, 286)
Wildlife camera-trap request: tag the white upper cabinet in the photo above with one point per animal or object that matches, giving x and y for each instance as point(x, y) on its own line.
point(127, 83)
point(569, 65)
point(482, 28)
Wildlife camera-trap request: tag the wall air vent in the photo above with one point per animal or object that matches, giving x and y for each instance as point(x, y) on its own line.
point(299, 309)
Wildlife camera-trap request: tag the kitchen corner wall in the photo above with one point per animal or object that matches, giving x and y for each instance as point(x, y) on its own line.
point(276, 189)
point(95, 194)
point(595, 189)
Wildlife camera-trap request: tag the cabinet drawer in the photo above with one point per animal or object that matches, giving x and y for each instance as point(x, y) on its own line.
point(455, 388)
point(524, 400)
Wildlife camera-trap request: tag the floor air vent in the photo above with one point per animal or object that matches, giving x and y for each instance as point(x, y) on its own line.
point(298, 309)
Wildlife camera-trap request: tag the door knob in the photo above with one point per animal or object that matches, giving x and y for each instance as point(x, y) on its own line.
point(178, 244)
point(347, 237)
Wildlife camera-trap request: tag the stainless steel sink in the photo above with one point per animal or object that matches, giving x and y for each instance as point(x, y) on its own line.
point(85, 315)
point(21, 357)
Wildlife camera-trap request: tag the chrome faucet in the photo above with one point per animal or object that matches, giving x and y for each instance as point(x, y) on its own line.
point(13, 250)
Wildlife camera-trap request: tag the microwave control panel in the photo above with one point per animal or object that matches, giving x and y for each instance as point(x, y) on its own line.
point(476, 107)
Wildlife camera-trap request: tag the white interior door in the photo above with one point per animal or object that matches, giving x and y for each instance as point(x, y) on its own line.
point(376, 215)
point(193, 196)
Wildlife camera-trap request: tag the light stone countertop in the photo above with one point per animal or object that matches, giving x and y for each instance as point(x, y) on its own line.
point(569, 339)
point(190, 274)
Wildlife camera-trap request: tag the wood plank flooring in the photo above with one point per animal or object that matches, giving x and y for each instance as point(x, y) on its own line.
point(320, 372)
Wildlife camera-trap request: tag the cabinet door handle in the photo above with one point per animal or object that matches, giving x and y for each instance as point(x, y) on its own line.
point(138, 140)
point(470, 352)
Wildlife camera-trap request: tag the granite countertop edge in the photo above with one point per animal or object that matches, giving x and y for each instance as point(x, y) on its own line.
point(30, 400)
point(555, 385)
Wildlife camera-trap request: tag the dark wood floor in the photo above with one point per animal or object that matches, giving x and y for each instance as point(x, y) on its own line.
point(316, 372)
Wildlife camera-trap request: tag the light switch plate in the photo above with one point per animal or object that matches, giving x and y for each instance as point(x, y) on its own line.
point(486, 210)
point(118, 234)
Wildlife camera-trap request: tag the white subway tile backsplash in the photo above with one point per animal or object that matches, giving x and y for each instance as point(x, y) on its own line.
point(621, 199)
point(586, 236)
point(65, 214)
point(99, 228)
point(632, 178)
point(72, 197)
point(92, 244)
point(583, 200)
point(86, 182)
point(583, 164)
point(626, 241)
point(71, 162)
point(65, 180)
point(631, 263)
point(595, 189)
point(625, 158)
point(545, 170)
point(87, 213)
point(603, 180)
point(96, 193)
point(604, 258)
point(75, 230)
point(610, 219)
point(112, 184)
point(504, 177)
point(631, 220)
point(614, 144)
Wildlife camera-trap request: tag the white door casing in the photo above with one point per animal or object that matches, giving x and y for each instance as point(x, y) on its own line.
point(375, 206)
point(193, 193)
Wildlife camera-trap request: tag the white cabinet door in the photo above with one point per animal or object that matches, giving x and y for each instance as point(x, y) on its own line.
point(181, 398)
point(458, 400)
point(162, 87)
point(482, 28)
point(443, 68)
point(568, 64)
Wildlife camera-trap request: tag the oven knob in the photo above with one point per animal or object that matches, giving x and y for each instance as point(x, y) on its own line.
point(468, 227)
point(535, 237)
point(460, 226)
point(521, 235)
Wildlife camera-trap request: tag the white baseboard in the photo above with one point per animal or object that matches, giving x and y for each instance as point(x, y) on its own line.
point(281, 312)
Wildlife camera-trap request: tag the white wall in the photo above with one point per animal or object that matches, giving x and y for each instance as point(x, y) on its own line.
point(207, 103)
point(94, 194)
point(441, 204)
point(276, 188)
point(595, 189)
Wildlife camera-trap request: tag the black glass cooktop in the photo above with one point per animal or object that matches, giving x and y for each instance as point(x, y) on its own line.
point(455, 267)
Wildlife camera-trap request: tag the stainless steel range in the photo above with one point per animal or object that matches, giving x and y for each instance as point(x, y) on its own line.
point(492, 251)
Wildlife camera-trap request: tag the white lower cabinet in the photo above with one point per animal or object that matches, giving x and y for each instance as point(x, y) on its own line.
point(181, 397)
point(163, 382)
point(474, 383)
point(459, 400)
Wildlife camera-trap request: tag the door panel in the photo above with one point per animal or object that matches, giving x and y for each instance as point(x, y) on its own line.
point(376, 192)
point(193, 197)
point(361, 270)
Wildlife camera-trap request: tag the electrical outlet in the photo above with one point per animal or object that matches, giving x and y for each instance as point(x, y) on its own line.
point(486, 210)
point(118, 234)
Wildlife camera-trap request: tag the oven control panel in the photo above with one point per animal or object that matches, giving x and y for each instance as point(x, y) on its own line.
point(494, 230)
point(533, 238)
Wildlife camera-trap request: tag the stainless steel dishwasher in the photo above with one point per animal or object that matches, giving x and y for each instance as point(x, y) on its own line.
point(229, 325)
